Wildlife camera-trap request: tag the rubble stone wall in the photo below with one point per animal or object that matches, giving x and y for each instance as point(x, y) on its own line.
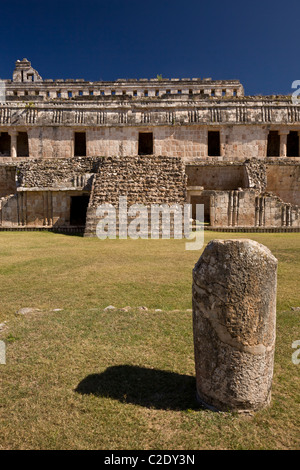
point(256, 176)
point(56, 173)
point(143, 180)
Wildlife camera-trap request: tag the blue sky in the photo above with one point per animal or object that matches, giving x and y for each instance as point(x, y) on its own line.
point(256, 42)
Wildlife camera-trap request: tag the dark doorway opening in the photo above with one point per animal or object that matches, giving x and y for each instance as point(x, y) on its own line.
point(22, 144)
point(79, 205)
point(292, 144)
point(145, 143)
point(205, 200)
point(273, 148)
point(80, 144)
point(213, 144)
point(4, 144)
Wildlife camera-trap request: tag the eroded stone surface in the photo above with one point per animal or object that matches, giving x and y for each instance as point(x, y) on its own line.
point(234, 316)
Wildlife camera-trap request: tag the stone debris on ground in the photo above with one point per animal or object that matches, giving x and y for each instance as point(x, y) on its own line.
point(27, 310)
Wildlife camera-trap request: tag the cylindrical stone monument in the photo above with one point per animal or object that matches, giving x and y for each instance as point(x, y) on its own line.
point(234, 319)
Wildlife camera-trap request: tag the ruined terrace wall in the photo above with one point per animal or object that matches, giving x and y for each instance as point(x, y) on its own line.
point(283, 179)
point(143, 180)
point(249, 208)
point(7, 180)
point(219, 176)
point(56, 173)
point(36, 209)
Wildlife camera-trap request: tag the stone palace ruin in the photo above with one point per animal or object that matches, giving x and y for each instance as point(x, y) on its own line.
point(68, 145)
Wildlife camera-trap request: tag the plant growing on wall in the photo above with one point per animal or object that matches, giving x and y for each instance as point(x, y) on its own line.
point(29, 105)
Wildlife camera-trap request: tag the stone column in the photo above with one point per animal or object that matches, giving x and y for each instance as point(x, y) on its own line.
point(222, 142)
point(283, 143)
point(13, 143)
point(234, 316)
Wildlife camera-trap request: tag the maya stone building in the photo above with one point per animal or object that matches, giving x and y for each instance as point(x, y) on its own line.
point(68, 145)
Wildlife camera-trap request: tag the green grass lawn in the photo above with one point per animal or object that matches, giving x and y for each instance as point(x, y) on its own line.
point(85, 378)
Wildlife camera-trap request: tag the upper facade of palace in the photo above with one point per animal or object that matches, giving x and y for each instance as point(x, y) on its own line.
point(27, 82)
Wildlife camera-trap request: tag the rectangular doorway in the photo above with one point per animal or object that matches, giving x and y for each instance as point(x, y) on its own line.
point(293, 144)
point(22, 144)
point(80, 144)
point(205, 200)
point(145, 143)
point(213, 144)
point(78, 210)
point(4, 144)
point(273, 147)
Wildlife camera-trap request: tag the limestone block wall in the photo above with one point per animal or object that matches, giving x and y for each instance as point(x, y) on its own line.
point(249, 208)
point(9, 211)
point(219, 206)
point(46, 208)
point(33, 208)
point(7, 180)
point(283, 179)
point(217, 175)
point(243, 141)
point(44, 191)
point(60, 202)
point(233, 208)
point(187, 142)
point(242, 208)
point(50, 142)
point(110, 141)
point(277, 213)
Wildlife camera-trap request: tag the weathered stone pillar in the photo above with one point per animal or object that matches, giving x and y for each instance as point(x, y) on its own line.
point(13, 143)
point(283, 143)
point(234, 317)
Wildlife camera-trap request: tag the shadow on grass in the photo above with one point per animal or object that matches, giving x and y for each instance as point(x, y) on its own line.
point(150, 388)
